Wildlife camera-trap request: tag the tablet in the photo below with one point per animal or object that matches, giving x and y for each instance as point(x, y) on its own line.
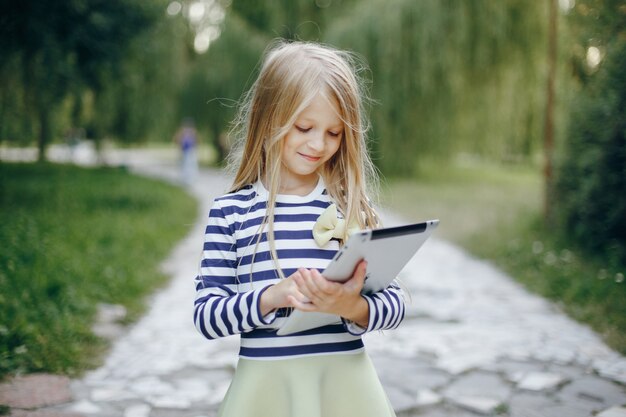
point(386, 251)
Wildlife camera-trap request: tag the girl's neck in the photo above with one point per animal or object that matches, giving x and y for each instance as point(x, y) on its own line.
point(295, 187)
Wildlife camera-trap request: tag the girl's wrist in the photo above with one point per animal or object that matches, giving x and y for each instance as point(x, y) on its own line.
point(266, 303)
point(359, 312)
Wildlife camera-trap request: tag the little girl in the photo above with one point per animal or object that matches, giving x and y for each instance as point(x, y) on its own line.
point(303, 133)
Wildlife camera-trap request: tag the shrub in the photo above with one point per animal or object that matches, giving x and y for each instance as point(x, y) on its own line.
point(590, 185)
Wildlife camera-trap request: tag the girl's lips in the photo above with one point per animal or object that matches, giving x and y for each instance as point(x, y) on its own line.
point(310, 158)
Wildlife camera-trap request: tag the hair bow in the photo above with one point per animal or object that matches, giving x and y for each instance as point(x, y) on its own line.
point(328, 226)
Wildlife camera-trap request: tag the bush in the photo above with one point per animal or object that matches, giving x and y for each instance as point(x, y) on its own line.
point(590, 185)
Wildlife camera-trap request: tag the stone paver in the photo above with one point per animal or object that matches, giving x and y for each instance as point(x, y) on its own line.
point(529, 404)
point(477, 404)
point(540, 381)
point(613, 412)
point(427, 397)
point(473, 342)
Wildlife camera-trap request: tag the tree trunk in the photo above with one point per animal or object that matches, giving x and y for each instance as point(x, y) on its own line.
point(220, 145)
point(45, 131)
point(549, 117)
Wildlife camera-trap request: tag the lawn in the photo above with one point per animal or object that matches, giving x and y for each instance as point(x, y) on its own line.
point(494, 212)
point(71, 238)
point(466, 197)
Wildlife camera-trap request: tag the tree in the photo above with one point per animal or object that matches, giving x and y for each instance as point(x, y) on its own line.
point(64, 47)
point(450, 77)
point(590, 187)
point(291, 19)
point(549, 118)
point(218, 79)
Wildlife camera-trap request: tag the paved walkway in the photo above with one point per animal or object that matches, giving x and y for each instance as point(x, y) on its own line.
point(473, 343)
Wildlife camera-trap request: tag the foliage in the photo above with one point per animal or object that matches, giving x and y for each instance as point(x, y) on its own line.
point(55, 50)
point(218, 79)
point(591, 184)
point(73, 238)
point(447, 76)
point(292, 19)
point(138, 104)
point(450, 77)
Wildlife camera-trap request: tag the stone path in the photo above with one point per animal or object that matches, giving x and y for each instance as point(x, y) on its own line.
point(473, 343)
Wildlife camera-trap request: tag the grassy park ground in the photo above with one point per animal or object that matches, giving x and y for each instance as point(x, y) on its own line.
point(72, 238)
point(495, 213)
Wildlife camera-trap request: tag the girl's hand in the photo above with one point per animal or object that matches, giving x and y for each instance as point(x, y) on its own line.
point(280, 295)
point(343, 299)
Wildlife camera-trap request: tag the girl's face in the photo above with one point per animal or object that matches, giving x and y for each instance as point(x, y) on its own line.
point(312, 140)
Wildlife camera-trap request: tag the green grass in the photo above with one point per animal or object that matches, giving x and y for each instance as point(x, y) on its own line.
point(495, 213)
point(72, 238)
point(465, 197)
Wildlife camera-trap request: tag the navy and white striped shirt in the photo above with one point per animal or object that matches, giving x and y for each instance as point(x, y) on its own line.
point(234, 272)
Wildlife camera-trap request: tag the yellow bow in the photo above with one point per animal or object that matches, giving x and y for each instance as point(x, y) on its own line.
point(328, 226)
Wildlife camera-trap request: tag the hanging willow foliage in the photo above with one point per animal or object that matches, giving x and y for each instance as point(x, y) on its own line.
point(450, 77)
point(219, 78)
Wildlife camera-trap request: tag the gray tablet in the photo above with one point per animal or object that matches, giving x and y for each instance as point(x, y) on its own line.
point(386, 251)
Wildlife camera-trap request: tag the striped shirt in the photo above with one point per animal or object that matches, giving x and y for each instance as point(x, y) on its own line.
point(236, 269)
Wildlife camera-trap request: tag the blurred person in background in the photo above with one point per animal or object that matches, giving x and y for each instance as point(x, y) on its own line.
point(187, 139)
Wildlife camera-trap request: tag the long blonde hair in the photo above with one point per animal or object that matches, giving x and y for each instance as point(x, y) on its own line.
point(291, 76)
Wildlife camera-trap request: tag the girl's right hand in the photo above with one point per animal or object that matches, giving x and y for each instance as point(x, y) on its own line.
point(277, 296)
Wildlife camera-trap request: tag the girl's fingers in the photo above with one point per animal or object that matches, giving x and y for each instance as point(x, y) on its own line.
point(322, 284)
point(294, 291)
point(301, 298)
point(317, 286)
point(358, 278)
point(309, 307)
point(303, 280)
point(360, 271)
point(314, 287)
point(363, 268)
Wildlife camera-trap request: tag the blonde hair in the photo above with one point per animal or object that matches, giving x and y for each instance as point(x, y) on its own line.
point(291, 76)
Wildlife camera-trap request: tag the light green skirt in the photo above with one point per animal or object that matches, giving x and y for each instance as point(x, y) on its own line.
point(310, 386)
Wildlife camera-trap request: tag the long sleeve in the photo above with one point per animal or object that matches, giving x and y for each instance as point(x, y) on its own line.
point(220, 309)
point(386, 310)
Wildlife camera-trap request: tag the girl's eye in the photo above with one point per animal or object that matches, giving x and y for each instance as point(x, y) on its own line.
point(303, 129)
point(334, 134)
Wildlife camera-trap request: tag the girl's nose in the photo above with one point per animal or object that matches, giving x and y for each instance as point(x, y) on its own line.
point(316, 142)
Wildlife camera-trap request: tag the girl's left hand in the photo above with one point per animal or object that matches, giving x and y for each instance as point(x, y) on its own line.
point(342, 299)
